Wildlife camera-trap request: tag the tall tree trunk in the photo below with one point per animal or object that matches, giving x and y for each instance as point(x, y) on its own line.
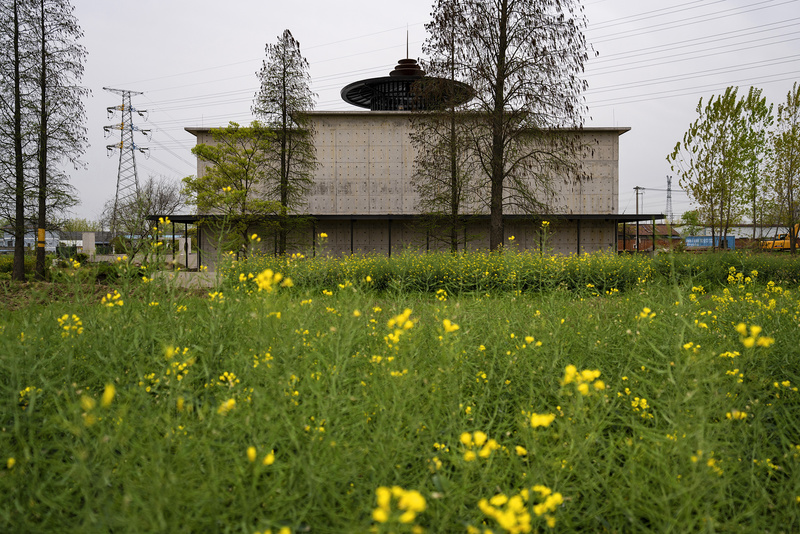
point(43, 137)
point(284, 171)
point(18, 272)
point(454, 185)
point(455, 179)
point(496, 229)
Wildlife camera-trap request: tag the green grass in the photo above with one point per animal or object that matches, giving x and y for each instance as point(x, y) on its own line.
point(348, 410)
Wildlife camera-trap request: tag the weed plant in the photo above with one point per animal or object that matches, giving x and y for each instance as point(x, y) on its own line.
point(364, 395)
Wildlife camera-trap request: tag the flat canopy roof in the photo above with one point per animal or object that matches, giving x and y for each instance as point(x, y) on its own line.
point(618, 217)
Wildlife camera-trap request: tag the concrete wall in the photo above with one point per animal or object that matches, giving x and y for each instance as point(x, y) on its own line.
point(366, 165)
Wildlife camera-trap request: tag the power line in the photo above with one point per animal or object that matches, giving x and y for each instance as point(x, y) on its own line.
point(342, 75)
point(747, 46)
point(697, 74)
point(238, 96)
point(686, 43)
point(690, 21)
point(689, 91)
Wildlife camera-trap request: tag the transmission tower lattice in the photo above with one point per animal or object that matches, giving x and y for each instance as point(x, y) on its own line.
point(127, 178)
point(669, 199)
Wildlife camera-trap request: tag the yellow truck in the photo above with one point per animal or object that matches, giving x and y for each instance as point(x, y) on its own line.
point(782, 241)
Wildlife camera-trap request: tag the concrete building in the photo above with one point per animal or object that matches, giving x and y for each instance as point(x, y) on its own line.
point(363, 199)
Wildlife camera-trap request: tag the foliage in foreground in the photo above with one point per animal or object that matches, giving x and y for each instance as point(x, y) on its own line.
point(337, 408)
point(520, 271)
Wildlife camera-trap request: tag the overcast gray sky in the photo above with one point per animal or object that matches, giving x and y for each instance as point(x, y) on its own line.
point(196, 63)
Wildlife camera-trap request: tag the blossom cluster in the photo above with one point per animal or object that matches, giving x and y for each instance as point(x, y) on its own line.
point(513, 514)
point(112, 299)
point(583, 380)
point(408, 503)
point(477, 441)
point(754, 339)
point(71, 326)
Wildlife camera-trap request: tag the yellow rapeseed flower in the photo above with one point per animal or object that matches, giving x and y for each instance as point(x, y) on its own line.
point(538, 420)
point(87, 403)
point(449, 326)
point(108, 395)
point(226, 406)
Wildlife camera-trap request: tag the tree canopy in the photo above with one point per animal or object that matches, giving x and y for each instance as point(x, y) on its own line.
point(41, 116)
point(718, 151)
point(524, 58)
point(235, 184)
point(444, 168)
point(282, 102)
point(784, 160)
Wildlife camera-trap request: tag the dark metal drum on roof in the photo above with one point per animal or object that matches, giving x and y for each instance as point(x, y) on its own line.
point(406, 88)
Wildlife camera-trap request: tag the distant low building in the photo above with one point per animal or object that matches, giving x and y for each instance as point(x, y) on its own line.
point(7, 243)
point(666, 236)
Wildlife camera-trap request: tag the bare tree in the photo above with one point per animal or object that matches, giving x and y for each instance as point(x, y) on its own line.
point(524, 59)
point(157, 196)
point(282, 102)
point(444, 169)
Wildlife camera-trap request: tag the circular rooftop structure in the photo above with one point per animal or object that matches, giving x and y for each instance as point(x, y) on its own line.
point(405, 89)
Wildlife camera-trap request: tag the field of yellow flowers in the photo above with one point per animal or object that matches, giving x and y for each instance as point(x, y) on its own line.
point(435, 393)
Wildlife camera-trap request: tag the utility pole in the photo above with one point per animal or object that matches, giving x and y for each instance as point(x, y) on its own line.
point(127, 178)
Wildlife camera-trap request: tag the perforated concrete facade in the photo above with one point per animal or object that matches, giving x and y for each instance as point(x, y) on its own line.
point(364, 201)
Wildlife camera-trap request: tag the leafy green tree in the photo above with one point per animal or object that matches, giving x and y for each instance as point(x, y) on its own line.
point(784, 160)
point(282, 102)
point(524, 59)
point(756, 148)
point(716, 154)
point(235, 184)
point(78, 224)
point(690, 222)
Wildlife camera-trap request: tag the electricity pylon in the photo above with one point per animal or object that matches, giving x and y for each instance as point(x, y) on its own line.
point(127, 178)
point(669, 199)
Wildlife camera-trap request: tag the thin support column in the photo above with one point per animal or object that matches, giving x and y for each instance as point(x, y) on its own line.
point(390, 238)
